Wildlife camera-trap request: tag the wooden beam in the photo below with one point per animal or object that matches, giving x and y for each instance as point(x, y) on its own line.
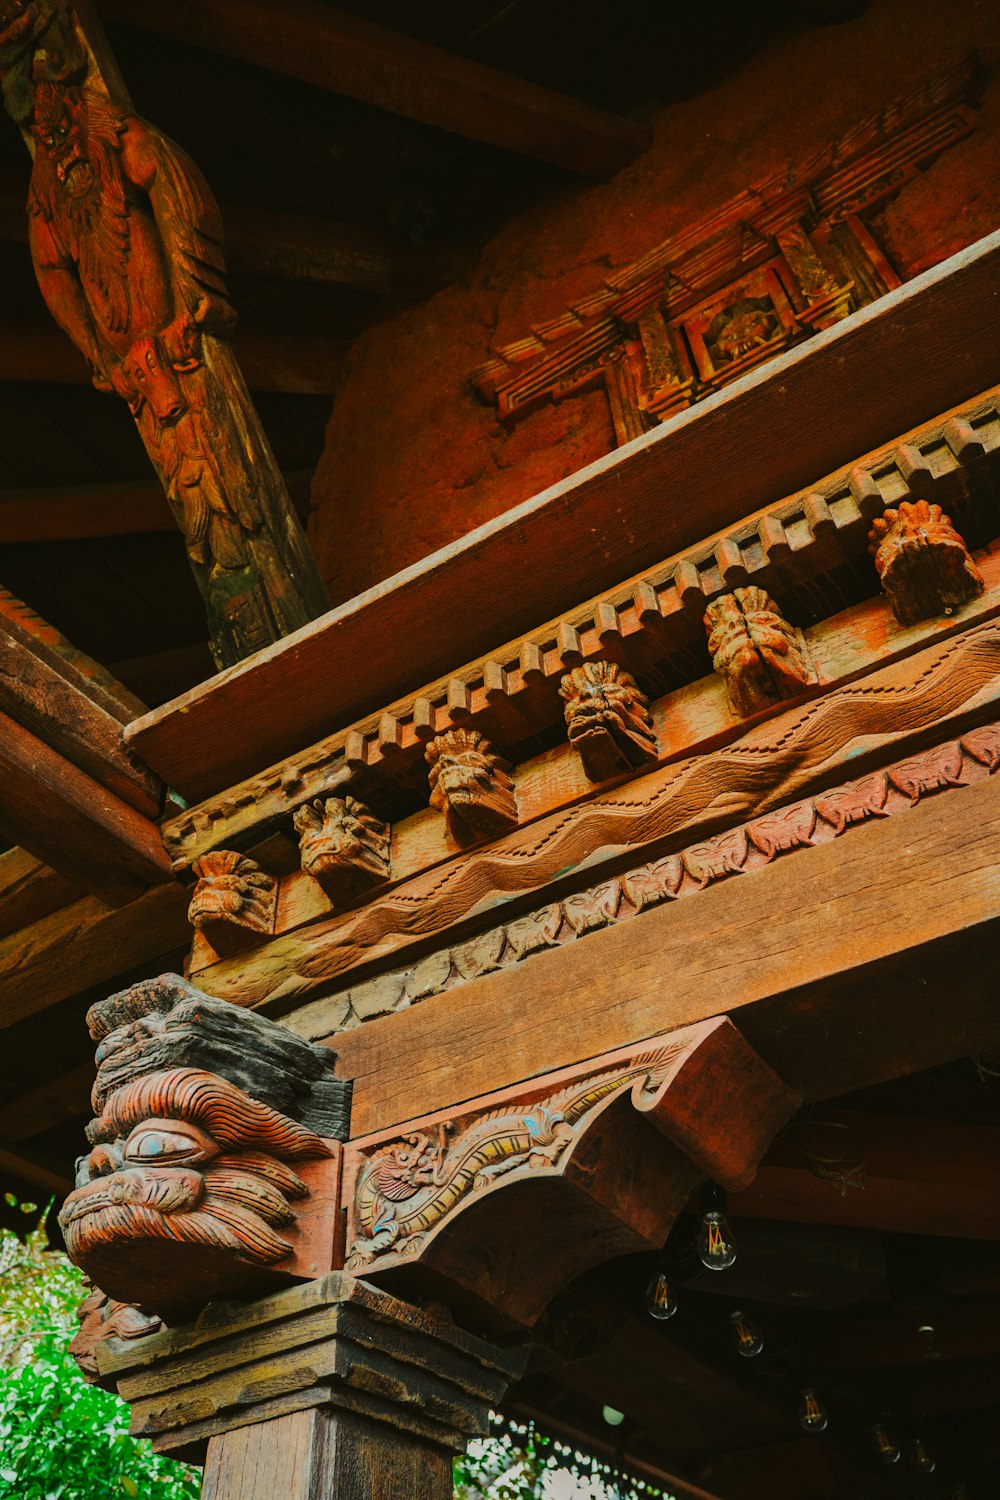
point(794, 953)
point(30, 890)
point(879, 1339)
point(46, 695)
point(75, 512)
point(39, 353)
point(765, 435)
point(24, 1168)
point(73, 823)
point(318, 45)
point(64, 1098)
point(929, 1177)
point(84, 945)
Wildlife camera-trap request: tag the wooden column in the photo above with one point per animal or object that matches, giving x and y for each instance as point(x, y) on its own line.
point(332, 1390)
point(126, 241)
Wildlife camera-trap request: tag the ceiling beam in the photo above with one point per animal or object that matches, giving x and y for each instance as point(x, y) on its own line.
point(30, 890)
point(40, 353)
point(318, 45)
point(79, 512)
point(63, 1098)
point(919, 1176)
point(15, 1164)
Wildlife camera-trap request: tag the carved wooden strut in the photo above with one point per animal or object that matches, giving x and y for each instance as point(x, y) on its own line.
point(753, 647)
point(234, 902)
point(608, 719)
point(126, 242)
point(471, 785)
point(923, 563)
point(189, 1187)
point(343, 846)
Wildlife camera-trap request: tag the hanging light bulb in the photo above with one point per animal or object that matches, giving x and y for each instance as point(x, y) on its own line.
point(716, 1245)
point(749, 1340)
point(885, 1446)
point(927, 1334)
point(812, 1413)
point(660, 1300)
point(923, 1460)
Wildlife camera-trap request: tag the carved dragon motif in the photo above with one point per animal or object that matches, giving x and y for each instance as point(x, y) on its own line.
point(343, 846)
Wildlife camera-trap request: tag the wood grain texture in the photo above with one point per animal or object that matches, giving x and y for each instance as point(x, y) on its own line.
point(349, 55)
point(30, 890)
point(858, 725)
point(86, 944)
point(768, 434)
point(794, 953)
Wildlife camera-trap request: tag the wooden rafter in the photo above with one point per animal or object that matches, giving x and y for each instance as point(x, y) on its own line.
point(313, 42)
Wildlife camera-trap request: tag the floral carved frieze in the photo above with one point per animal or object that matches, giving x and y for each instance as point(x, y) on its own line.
point(736, 852)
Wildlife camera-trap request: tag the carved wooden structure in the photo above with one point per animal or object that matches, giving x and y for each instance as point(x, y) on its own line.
point(456, 1051)
point(126, 241)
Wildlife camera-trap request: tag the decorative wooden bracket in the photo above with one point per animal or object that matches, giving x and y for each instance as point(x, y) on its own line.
point(343, 846)
point(761, 657)
point(608, 719)
point(923, 563)
point(471, 784)
point(508, 1199)
point(126, 242)
point(235, 901)
point(188, 1191)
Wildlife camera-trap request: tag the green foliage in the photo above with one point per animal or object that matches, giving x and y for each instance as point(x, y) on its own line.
point(521, 1463)
point(61, 1439)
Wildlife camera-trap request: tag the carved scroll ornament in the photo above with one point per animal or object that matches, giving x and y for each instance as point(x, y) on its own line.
point(190, 1181)
point(755, 650)
point(923, 563)
point(608, 719)
point(343, 846)
point(126, 242)
point(471, 784)
point(234, 902)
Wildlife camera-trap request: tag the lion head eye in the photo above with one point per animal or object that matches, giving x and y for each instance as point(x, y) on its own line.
point(168, 1143)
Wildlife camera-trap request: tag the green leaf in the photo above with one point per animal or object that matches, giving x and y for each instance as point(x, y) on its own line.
point(29, 1208)
point(129, 1486)
point(10, 1200)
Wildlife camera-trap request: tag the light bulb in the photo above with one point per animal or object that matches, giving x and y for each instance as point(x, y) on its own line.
point(886, 1448)
point(749, 1341)
point(660, 1300)
point(612, 1416)
point(716, 1245)
point(812, 1412)
point(927, 1334)
point(923, 1460)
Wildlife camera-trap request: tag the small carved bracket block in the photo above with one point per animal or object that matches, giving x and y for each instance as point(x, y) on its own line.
point(343, 846)
point(922, 562)
point(608, 719)
point(234, 903)
point(471, 784)
point(760, 656)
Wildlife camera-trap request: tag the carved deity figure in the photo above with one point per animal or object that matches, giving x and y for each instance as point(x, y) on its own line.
point(608, 719)
point(471, 785)
point(126, 241)
point(343, 845)
point(755, 650)
point(922, 561)
point(189, 1182)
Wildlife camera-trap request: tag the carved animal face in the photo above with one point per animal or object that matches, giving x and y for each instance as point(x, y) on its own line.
point(147, 378)
point(230, 884)
point(187, 1157)
point(60, 129)
point(599, 696)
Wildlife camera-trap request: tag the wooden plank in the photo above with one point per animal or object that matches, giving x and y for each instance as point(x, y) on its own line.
point(932, 1177)
point(74, 512)
point(14, 1164)
point(30, 890)
point(84, 945)
point(795, 953)
point(35, 353)
point(45, 694)
point(74, 824)
point(64, 1098)
point(325, 47)
point(766, 435)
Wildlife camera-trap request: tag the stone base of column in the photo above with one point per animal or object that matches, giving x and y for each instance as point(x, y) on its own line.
point(334, 1388)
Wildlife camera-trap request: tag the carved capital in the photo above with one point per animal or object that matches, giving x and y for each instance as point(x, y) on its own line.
point(608, 719)
point(205, 1115)
point(471, 784)
point(234, 902)
point(759, 655)
point(343, 846)
point(922, 562)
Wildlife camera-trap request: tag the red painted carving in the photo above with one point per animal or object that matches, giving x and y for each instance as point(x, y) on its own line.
point(779, 832)
point(234, 902)
point(854, 802)
point(923, 563)
point(753, 647)
point(471, 784)
point(724, 855)
point(343, 845)
point(927, 772)
point(608, 719)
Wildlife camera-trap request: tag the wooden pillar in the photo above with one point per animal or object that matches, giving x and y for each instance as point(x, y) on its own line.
point(332, 1390)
